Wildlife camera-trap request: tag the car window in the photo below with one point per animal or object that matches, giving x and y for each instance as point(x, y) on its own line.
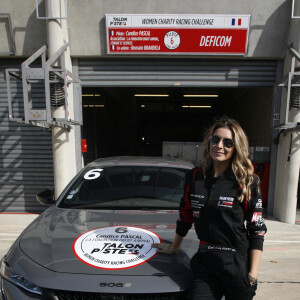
point(126, 187)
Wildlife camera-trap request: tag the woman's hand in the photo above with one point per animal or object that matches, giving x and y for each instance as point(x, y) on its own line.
point(165, 248)
point(169, 248)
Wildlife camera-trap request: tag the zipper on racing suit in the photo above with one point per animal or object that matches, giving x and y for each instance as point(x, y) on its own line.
point(209, 205)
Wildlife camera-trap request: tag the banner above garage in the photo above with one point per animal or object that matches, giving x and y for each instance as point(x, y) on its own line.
point(177, 34)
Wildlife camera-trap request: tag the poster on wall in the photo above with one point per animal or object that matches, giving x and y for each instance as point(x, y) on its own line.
point(177, 34)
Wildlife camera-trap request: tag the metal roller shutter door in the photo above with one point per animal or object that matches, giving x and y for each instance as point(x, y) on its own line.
point(26, 153)
point(177, 72)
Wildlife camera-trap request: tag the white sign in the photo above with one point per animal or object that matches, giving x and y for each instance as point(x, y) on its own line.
point(179, 21)
point(116, 248)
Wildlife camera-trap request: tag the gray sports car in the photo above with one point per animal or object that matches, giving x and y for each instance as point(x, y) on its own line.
point(95, 241)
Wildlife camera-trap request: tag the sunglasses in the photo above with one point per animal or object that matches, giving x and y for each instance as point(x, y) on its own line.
point(215, 139)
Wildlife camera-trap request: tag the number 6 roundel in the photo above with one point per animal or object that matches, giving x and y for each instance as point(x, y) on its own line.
point(116, 247)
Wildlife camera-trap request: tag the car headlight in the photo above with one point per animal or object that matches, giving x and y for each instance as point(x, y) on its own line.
point(10, 275)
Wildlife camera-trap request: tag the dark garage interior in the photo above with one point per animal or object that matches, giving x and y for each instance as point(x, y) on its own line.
point(135, 121)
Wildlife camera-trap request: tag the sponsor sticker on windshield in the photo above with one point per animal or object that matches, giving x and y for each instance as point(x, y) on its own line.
point(116, 248)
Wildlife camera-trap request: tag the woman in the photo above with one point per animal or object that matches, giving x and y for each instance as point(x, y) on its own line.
point(223, 201)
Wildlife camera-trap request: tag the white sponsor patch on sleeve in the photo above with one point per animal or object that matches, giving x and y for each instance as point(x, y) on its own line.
point(258, 203)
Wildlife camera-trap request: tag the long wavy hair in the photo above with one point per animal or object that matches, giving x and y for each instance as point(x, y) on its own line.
point(240, 163)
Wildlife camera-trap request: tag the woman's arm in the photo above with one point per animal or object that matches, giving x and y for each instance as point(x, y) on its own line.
point(255, 222)
point(177, 242)
point(255, 256)
point(256, 229)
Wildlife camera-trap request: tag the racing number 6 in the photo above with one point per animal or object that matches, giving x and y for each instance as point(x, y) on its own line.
point(121, 230)
point(93, 174)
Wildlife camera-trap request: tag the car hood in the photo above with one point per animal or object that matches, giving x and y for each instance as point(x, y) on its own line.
point(49, 240)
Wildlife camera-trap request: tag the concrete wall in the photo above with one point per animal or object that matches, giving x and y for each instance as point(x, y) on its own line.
point(29, 33)
point(86, 21)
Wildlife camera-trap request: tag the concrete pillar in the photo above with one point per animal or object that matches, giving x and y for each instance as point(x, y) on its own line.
point(288, 156)
point(63, 141)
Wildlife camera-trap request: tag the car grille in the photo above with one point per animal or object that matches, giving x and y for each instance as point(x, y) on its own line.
point(71, 295)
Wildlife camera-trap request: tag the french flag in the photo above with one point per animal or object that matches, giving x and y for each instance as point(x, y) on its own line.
point(112, 47)
point(111, 32)
point(237, 22)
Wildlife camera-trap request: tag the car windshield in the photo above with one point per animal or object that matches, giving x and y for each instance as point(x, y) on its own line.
point(126, 187)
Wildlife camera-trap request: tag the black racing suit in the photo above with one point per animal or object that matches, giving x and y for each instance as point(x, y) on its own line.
point(227, 229)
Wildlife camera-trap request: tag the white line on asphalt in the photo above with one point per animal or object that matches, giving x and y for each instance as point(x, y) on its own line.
point(279, 241)
point(8, 234)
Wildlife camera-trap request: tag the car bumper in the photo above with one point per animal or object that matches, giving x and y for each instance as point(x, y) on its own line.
point(10, 291)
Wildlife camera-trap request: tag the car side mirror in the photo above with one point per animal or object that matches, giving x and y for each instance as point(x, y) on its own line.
point(46, 197)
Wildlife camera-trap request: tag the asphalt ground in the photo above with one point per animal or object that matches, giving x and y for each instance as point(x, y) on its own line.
point(279, 273)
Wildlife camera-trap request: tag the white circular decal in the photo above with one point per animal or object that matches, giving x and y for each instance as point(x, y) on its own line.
point(172, 40)
point(115, 248)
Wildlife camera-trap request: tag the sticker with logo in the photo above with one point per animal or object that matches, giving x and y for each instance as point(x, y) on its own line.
point(172, 40)
point(260, 222)
point(260, 232)
point(197, 202)
point(116, 248)
point(197, 196)
point(196, 214)
point(256, 216)
point(225, 202)
point(221, 248)
point(258, 203)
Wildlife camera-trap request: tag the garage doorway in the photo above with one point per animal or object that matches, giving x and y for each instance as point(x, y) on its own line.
point(137, 120)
